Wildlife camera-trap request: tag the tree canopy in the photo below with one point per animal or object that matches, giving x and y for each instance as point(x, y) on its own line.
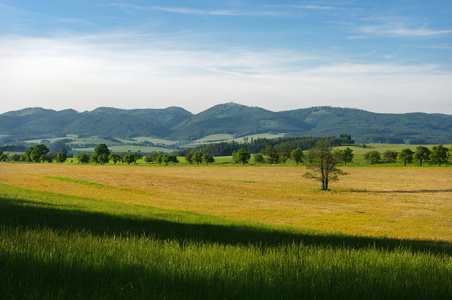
point(36, 153)
point(197, 157)
point(406, 155)
point(373, 156)
point(439, 154)
point(297, 155)
point(129, 158)
point(422, 154)
point(207, 158)
point(346, 155)
point(242, 156)
point(101, 149)
point(321, 162)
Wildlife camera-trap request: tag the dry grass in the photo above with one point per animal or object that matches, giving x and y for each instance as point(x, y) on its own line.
point(414, 203)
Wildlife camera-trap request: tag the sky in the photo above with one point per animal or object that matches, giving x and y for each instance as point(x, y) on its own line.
point(381, 56)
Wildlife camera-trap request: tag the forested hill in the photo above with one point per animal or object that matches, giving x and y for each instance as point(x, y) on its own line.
point(178, 124)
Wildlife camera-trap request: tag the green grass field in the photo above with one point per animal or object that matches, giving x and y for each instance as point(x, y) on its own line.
point(55, 246)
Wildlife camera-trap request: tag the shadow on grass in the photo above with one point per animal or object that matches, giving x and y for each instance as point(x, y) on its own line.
point(13, 212)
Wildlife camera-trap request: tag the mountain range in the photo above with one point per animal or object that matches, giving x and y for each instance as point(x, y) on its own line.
point(176, 123)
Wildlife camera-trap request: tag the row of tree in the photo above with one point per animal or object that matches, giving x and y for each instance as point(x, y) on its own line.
point(274, 155)
point(271, 154)
point(438, 154)
point(38, 153)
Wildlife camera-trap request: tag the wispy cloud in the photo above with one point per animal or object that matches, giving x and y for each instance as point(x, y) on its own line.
point(193, 11)
point(318, 7)
point(48, 18)
point(403, 31)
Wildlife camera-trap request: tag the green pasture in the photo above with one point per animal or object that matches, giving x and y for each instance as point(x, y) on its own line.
point(229, 137)
point(125, 149)
point(54, 246)
point(154, 140)
point(54, 139)
point(261, 135)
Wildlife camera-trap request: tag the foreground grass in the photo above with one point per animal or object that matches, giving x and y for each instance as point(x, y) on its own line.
point(59, 246)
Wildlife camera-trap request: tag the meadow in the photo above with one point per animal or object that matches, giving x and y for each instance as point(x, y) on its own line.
point(115, 232)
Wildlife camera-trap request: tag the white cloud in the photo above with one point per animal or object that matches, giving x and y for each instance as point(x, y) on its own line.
point(402, 31)
point(318, 7)
point(84, 73)
point(193, 11)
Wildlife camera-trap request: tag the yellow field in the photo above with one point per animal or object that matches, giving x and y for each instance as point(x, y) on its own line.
point(413, 203)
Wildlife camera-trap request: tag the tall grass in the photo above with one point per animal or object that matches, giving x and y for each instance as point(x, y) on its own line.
point(58, 246)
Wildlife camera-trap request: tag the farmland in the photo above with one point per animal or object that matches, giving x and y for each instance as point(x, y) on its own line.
point(224, 231)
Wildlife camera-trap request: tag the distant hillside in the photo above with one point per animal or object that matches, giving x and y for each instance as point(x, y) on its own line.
point(37, 122)
point(368, 127)
point(238, 120)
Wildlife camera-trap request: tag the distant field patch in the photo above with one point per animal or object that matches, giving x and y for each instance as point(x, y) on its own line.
point(262, 136)
point(229, 137)
point(132, 148)
point(154, 140)
point(214, 138)
point(53, 139)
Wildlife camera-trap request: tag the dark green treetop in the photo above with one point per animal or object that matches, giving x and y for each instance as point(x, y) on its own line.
point(345, 155)
point(406, 155)
point(297, 155)
point(439, 154)
point(242, 156)
point(422, 154)
point(101, 149)
point(321, 161)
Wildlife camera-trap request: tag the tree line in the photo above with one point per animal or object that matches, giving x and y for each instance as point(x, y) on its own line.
point(270, 154)
point(437, 154)
point(257, 145)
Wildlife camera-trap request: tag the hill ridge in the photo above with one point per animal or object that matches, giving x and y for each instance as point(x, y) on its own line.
point(239, 120)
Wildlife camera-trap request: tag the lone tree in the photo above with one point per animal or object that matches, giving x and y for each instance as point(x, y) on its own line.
point(197, 157)
point(346, 155)
point(322, 160)
point(61, 157)
point(114, 157)
point(439, 154)
point(373, 156)
point(272, 153)
point(422, 154)
point(36, 153)
point(101, 149)
point(242, 156)
point(208, 158)
point(83, 158)
point(258, 158)
point(173, 159)
point(297, 155)
point(129, 158)
point(390, 156)
point(165, 159)
point(406, 155)
point(284, 153)
point(189, 158)
point(103, 158)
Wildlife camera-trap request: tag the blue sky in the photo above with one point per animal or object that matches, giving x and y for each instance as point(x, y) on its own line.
point(381, 56)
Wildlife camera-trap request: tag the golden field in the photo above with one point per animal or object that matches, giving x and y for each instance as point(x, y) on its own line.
point(408, 203)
